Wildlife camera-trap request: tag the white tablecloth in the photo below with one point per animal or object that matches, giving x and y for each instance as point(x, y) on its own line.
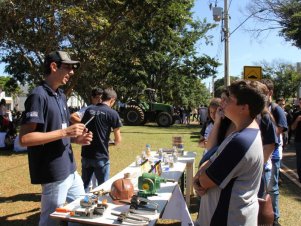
point(170, 199)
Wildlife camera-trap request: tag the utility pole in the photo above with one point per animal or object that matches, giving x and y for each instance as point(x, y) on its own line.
point(226, 38)
point(213, 85)
point(218, 14)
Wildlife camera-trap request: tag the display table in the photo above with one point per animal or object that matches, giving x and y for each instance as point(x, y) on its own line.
point(169, 196)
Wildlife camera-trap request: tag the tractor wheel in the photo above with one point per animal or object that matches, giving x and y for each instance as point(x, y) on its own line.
point(144, 121)
point(164, 119)
point(133, 116)
point(174, 118)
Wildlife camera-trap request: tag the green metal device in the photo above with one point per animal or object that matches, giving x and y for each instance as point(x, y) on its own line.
point(149, 183)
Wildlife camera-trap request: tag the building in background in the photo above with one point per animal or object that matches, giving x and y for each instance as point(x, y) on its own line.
point(17, 102)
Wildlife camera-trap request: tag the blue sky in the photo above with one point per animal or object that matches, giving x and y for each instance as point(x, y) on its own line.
point(244, 50)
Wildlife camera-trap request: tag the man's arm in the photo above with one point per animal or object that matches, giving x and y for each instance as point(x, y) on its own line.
point(268, 135)
point(201, 182)
point(117, 136)
point(281, 120)
point(212, 140)
point(29, 137)
point(267, 151)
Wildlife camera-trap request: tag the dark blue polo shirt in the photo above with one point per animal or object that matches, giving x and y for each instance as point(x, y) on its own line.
point(268, 130)
point(105, 120)
point(53, 161)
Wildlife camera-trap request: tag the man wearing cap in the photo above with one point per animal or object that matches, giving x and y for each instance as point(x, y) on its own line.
point(46, 132)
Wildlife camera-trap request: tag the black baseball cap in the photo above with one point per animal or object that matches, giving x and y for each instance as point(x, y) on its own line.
point(61, 57)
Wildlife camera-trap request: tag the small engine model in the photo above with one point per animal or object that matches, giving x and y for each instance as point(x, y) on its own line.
point(149, 183)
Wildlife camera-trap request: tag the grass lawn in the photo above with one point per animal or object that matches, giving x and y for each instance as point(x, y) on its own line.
point(20, 200)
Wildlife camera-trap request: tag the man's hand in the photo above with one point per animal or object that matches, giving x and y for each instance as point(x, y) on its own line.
point(201, 182)
point(197, 186)
point(202, 142)
point(85, 138)
point(74, 130)
point(219, 115)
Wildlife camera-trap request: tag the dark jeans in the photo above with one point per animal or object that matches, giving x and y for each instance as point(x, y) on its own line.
point(298, 158)
point(100, 167)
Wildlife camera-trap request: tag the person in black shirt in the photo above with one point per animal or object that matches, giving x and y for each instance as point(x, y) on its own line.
point(95, 157)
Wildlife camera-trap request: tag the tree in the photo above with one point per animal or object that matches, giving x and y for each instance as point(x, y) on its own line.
point(9, 87)
point(3, 81)
point(284, 16)
point(285, 77)
point(219, 85)
point(125, 44)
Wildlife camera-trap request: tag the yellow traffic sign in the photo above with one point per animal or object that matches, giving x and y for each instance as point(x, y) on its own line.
point(252, 72)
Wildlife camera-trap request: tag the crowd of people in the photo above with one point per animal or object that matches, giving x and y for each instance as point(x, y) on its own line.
point(243, 141)
point(223, 133)
point(188, 114)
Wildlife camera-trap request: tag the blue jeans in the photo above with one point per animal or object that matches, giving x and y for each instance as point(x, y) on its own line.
point(100, 167)
point(274, 187)
point(56, 194)
point(298, 158)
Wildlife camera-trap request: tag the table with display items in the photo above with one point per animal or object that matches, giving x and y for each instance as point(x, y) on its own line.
point(170, 200)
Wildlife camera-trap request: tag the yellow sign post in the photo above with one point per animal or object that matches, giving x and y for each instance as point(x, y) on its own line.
point(252, 72)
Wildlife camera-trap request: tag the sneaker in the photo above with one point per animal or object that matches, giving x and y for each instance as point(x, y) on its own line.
point(276, 223)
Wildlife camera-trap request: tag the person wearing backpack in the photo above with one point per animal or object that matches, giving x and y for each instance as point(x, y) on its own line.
point(281, 126)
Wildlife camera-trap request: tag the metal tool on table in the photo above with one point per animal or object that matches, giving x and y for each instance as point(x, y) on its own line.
point(149, 183)
point(140, 205)
point(91, 198)
point(84, 212)
point(88, 201)
point(100, 192)
point(90, 206)
point(91, 211)
point(131, 218)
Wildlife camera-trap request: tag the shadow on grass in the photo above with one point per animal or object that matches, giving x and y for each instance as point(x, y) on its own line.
point(290, 189)
point(29, 221)
point(9, 152)
point(31, 197)
point(194, 205)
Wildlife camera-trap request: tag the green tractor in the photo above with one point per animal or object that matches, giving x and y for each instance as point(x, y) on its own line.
point(146, 109)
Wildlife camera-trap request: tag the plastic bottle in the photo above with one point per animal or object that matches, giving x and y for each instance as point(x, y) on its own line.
point(175, 157)
point(160, 153)
point(148, 150)
point(180, 150)
point(143, 155)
